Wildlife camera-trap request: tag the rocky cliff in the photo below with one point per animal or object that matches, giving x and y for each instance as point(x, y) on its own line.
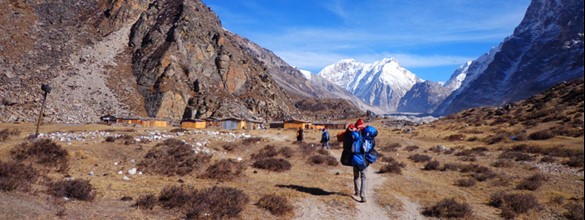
point(545, 49)
point(165, 59)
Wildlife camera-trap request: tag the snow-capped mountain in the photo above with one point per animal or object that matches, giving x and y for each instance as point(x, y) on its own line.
point(382, 83)
point(545, 49)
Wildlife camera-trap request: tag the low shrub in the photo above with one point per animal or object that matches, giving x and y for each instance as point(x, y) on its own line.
point(468, 182)
point(229, 147)
point(176, 197)
point(16, 176)
point(390, 147)
point(516, 156)
point(225, 169)
point(76, 189)
point(392, 167)
point(217, 203)
point(417, 158)
point(176, 130)
point(503, 163)
point(532, 183)
point(494, 139)
point(548, 159)
point(6, 133)
point(575, 161)
point(273, 164)
point(448, 208)
point(513, 204)
point(320, 159)
point(251, 140)
point(277, 205)
point(147, 201)
point(267, 151)
point(173, 157)
point(411, 148)
point(44, 151)
point(286, 152)
point(574, 211)
point(455, 137)
point(432, 165)
point(541, 135)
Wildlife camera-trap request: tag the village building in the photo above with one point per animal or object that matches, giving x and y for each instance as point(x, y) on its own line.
point(197, 124)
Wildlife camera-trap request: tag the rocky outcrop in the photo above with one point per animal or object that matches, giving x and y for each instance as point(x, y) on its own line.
point(545, 49)
point(423, 97)
point(163, 59)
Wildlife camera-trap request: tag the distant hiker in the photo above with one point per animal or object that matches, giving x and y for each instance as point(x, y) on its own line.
point(300, 134)
point(325, 139)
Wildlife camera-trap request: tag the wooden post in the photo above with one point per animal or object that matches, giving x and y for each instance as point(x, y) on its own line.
point(46, 90)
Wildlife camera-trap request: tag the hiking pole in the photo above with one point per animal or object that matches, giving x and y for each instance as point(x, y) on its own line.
point(46, 90)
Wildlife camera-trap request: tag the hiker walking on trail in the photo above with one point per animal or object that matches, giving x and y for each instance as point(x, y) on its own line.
point(325, 139)
point(300, 134)
point(359, 152)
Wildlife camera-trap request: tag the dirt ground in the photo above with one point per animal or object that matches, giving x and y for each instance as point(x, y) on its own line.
point(316, 191)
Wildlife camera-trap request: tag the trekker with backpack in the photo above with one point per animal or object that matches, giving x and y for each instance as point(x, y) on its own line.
point(325, 139)
point(300, 134)
point(359, 152)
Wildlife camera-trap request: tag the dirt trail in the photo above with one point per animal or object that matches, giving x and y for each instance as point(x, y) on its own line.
point(312, 208)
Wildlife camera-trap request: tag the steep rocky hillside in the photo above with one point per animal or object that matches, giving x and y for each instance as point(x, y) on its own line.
point(165, 59)
point(545, 49)
point(305, 90)
point(555, 112)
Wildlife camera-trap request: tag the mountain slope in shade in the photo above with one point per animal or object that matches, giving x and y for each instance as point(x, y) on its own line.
point(300, 84)
point(381, 84)
point(545, 49)
point(423, 97)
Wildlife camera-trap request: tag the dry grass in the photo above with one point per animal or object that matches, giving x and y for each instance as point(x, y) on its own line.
point(217, 203)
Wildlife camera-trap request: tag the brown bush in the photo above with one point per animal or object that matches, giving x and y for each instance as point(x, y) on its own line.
point(548, 159)
point(76, 189)
point(432, 165)
point(217, 203)
point(306, 148)
point(225, 169)
point(173, 157)
point(16, 176)
point(411, 148)
point(286, 152)
point(417, 158)
point(392, 167)
point(574, 211)
point(44, 151)
point(504, 163)
point(448, 208)
point(532, 183)
point(575, 161)
point(147, 201)
point(320, 159)
point(6, 133)
point(273, 164)
point(266, 152)
point(323, 151)
point(541, 135)
point(513, 204)
point(229, 147)
point(455, 137)
point(516, 156)
point(277, 205)
point(176, 197)
point(178, 130)
point(390, 147)
point(468, 182)
point(126, 139)
point(493, 139)
point(251, 140)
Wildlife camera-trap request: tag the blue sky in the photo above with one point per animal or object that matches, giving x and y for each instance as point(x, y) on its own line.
point(431, 38)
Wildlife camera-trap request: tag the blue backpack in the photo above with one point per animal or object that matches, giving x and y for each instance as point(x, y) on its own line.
point(364, 152)
point(325, 136)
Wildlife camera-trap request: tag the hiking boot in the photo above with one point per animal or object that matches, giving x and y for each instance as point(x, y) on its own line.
point(363, 199)
point(356, 194)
